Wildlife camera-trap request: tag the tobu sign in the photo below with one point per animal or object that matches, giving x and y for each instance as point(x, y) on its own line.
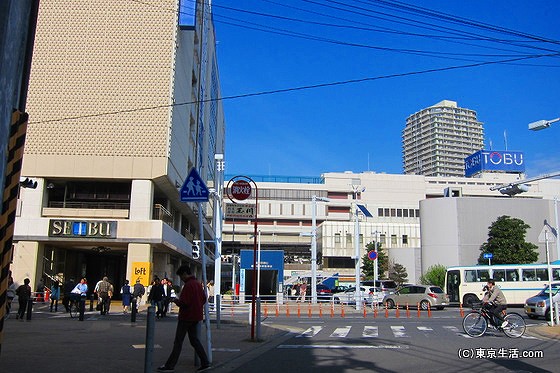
point(501, 161)
point(241, 190)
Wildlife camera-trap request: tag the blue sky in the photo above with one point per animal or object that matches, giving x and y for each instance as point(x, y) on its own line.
point(357, 127)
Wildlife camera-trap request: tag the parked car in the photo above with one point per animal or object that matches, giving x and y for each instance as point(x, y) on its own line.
point(376, 295)
point(348, 296)
point(387, 286)
point(323, 292)
point(539, 305)
point(422, 295)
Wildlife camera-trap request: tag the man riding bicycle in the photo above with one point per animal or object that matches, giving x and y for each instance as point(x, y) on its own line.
point(496, 302)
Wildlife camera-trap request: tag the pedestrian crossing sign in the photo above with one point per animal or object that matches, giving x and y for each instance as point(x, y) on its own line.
point(194, 189)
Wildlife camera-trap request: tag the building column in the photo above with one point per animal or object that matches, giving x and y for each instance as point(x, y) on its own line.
point(139, 263)
point(28, 262)
point(141, 200)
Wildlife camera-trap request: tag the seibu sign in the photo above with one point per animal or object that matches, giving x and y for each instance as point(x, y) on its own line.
point(241, 190)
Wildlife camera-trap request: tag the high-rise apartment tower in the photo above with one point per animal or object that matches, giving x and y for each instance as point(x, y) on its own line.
point(436, 140)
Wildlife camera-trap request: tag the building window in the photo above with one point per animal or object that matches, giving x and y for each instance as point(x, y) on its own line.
point(349, 238)
point(417, 211)
point(399, 213)
point(393, 240)
point(337, 238)
point(405, 213)
point(411, 213)
point(386, 212)
point(361, 239)
point(380, 212)
point(393, 212)
point(404, 239)
point(383, 239)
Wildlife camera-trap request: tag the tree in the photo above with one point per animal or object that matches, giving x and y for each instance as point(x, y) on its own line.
point(369, 265)
point(397, 273)
point(435, 275)
point(506, 241)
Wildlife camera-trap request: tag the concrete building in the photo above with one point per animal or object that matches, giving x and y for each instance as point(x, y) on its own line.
point(436, 140)
point(412, 218)
point(116, 123)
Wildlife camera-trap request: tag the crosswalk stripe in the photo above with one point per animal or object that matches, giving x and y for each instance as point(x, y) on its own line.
point(341, 332)
point(425, 329)
point(398, 331)
point(311, 332)
point(370, 331)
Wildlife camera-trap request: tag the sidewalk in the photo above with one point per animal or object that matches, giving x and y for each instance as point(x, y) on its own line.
point(54, 342)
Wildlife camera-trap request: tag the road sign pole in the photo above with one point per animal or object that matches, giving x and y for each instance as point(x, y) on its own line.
point(204, 280)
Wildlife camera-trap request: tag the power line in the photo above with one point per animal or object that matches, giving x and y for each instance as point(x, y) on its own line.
point(300, 88)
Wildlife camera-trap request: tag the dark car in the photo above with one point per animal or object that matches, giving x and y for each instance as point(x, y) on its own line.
point(323, 292)
point(339, 289)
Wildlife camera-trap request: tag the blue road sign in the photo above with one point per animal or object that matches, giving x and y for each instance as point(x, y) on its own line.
point(365, 211)
point(194, 189)
point(487, 255)
point(372, 255)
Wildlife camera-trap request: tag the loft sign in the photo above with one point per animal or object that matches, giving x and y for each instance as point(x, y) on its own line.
point(82, 228)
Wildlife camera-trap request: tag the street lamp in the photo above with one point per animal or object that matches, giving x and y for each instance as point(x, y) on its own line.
point(314, 200)
point(542, 124)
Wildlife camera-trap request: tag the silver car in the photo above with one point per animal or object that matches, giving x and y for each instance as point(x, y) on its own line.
point(348, 296)
point(423, 296)
point(539, 305)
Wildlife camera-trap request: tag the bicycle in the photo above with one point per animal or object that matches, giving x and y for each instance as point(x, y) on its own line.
point(476, 322)
point(75, 303)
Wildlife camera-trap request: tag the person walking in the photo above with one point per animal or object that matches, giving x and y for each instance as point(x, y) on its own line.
point(191, 302)
point(10, 295)
point(55, 295)
point(166, 295)
point(156, 296)
point(68, 287)
point(137, 292)
point(126, 296)
point(24, 295)
point(102, 289)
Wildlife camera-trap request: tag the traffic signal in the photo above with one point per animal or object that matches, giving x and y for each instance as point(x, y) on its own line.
point(28, 183)
point(196, 251)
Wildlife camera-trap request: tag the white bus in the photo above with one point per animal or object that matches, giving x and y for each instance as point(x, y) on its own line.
point(463, 284)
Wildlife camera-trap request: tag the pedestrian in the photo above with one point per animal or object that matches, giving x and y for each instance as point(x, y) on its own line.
point(55, 295)
point(166, 296)
point(191, 302)
point(68, 286)
point(210, 292)
point(302, 292)
point(102, 288)
point(10, 295)
point(40, 290)
point(156, 296)
point(24, 295)
point(126, 296)
point(172, 295)
point(137, 292)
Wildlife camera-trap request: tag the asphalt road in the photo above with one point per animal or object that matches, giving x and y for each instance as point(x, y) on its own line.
point(357, 344)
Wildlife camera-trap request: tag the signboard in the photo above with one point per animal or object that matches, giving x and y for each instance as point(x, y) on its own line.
point(503, 161)
point(140, 271)
point(194, 189)
point(238, 210)
point(365, 211)
point(487, 255)
point(547, 234)
point(241, 190)
point(82, 228)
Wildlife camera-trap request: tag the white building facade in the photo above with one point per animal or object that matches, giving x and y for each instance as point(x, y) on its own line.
point(412, 219)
